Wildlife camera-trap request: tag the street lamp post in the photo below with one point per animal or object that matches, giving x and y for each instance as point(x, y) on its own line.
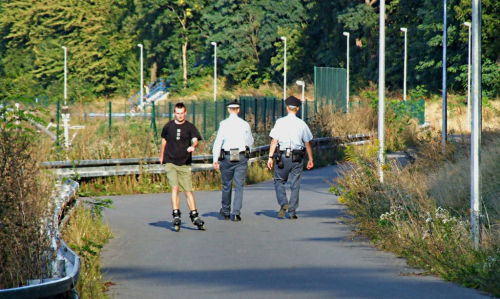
point(303, 84)
point(405, 64)
point(65, 73)
point(215, 70)
point(284, 71)
point(468, 24)
point(347, 90)
point(142, 79)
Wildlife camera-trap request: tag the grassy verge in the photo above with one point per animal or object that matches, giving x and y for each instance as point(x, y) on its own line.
point(421, 212)
point(86, 234)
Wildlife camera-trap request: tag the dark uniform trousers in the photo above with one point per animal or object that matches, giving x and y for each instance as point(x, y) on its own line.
point(292, 172)
point(229, 171)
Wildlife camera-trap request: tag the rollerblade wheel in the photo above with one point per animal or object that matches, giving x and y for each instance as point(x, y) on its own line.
point(202, 227)
point(177, 228)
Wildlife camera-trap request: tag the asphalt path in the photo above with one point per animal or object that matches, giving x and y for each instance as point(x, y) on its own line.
point(259, 257)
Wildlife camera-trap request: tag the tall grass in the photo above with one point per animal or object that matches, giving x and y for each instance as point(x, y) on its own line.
point(421, 212)
point(86, 234)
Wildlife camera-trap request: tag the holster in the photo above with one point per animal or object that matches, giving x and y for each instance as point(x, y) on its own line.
point(222, 154)
point(247, 152)
point(297, 155)
point(279, 160)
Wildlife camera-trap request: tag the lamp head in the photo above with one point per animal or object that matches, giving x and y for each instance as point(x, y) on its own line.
point(346, 34)
point(213, 43)
point(139, 45)
point(300, 82)
point(64, 47)
point(283, 38)
point(404, 29)
point(468, 24)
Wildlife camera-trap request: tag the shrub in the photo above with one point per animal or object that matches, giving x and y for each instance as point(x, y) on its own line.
point(25, 215)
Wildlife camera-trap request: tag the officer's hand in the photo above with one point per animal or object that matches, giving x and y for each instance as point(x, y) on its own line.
point(270, 163)
point(310, 164)
point(191, 149)
point(216, 165)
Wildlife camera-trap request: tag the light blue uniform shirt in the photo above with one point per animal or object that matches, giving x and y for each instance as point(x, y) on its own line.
point(233, 132)
point(291, 132)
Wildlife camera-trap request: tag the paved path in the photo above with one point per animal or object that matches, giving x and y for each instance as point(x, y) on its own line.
point(259, 257)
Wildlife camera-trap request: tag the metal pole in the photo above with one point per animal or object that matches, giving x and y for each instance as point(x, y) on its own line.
point(445, 108)
point(204, 119)
point(476, 178)
point(215, 70)
point(405, 65)
point(303, 103)
point(142, 72)
point(110, 120)
point(381, 90)
point(284, 71)
point(468, 76)
point(58, 116)
point(303, 84)
point(65, 74)
point(315, 92)
point(347, 88)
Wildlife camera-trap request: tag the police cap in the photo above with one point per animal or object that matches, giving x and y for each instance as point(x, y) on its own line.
point(293, 102)
point(233, 104)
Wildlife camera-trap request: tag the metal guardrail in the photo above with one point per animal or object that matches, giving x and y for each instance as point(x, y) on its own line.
point(117, 167)
point(66, 267)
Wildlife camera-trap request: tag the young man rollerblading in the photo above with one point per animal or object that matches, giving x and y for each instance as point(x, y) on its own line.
point(179, 140)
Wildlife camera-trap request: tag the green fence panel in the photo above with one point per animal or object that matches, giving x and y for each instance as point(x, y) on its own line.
point(330, 87)
point(415, 109)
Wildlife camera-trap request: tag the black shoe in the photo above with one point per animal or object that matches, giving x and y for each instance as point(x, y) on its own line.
point(226, 217)
point(236, 218)
point(293, 217)
point(282, 212)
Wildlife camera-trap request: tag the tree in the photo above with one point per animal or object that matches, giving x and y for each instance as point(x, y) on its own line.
point(246, 32)
point(167, 26)
point(96, 47)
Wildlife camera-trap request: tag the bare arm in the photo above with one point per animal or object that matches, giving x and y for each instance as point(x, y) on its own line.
point(272, 149)
point(309, 151)
point(163, 145)
point(193, 145)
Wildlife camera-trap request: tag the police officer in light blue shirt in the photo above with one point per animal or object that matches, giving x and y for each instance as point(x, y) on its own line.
point(291, 141)
point(232, 147)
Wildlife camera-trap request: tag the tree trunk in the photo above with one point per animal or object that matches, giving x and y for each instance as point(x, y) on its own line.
point(184, 62)
point(154, 71)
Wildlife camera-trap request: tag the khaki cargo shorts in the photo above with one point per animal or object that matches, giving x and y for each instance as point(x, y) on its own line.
point(179, 176)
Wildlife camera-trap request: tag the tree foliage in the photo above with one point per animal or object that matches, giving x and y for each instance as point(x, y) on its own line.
point(103, 57)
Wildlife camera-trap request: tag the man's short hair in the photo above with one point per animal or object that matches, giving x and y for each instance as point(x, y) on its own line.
point(180, 105)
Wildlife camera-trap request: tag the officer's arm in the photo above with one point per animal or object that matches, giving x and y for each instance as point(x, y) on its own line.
point(249, 138)
point(272, 149)
point(217, 145)
point(309, 151)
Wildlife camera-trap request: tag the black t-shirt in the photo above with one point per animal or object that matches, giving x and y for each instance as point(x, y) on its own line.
point(178, 140)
